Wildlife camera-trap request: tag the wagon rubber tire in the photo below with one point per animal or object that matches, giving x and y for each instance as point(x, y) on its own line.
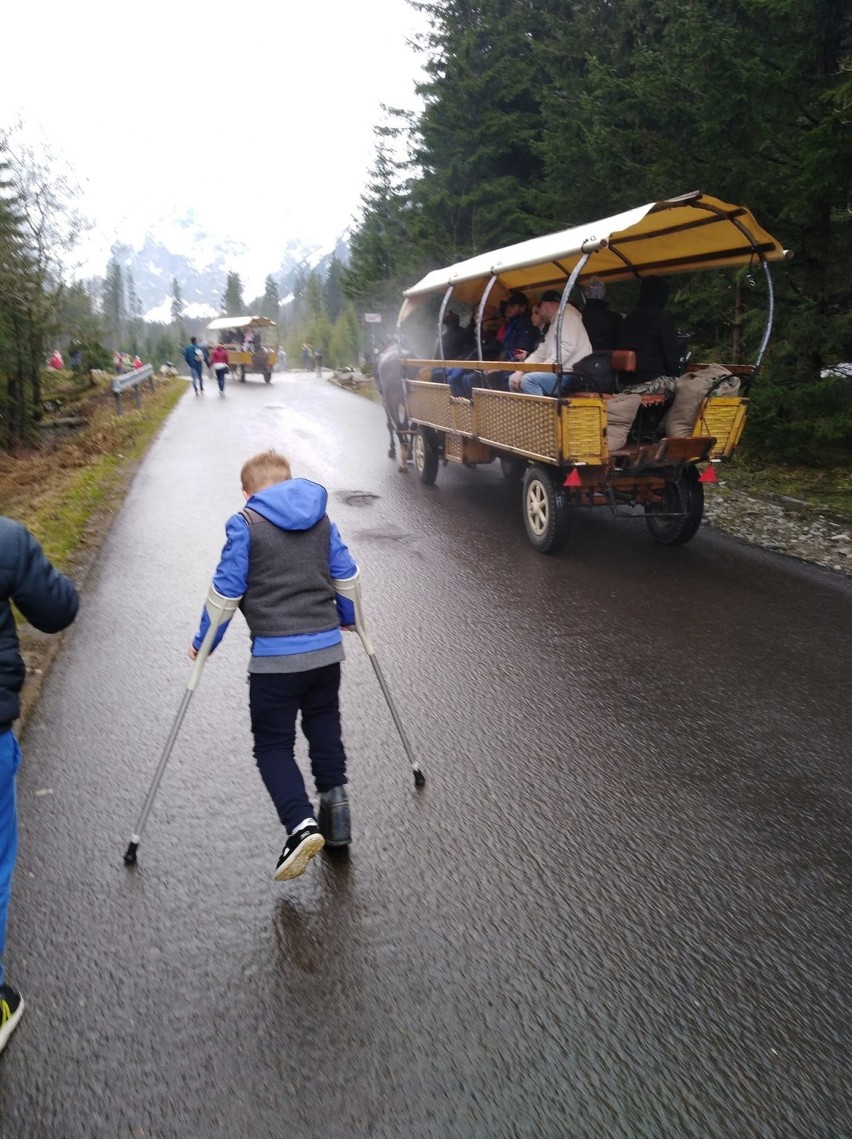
point(547, 514)
point(267, 377)
point(426, 455)
point(683, 501)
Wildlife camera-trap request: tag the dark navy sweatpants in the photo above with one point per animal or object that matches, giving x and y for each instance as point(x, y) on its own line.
point(275, 700)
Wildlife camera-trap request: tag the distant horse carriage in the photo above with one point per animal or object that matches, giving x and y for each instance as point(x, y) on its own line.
point(251, 342)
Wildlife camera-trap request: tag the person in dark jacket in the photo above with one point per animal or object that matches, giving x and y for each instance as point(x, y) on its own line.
point(281, 555)
point(194, 356)
point(651, 333)
point(521, 335)
point(602, 323)
point(48, 600)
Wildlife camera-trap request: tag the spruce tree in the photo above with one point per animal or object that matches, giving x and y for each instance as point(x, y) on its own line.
point(271, 300)
point(232, 299)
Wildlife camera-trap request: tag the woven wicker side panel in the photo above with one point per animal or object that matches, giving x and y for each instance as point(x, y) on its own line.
point(724, 418)
point(526, 424)
point(583, 424)
point(430, 403)
point(453, 448)
point(461, 411)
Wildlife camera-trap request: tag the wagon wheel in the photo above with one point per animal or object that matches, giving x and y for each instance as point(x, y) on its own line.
point(546, 511)
point(677, 517)
point(426, 455)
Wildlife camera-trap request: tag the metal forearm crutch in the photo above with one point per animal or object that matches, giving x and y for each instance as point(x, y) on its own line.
point(350, 588)
point(219, 609)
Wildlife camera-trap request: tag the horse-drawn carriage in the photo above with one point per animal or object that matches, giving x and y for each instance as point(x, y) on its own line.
point(652, 450)
point(251, 341)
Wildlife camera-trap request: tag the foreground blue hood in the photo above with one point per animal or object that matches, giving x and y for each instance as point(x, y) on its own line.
point(296, 504)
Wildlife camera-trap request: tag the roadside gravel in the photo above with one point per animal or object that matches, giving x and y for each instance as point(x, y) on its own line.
point(783, 524)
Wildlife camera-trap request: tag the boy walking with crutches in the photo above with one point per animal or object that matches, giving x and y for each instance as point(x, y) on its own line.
point(281, 554)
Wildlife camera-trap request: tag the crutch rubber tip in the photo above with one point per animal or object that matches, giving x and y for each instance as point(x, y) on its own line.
point(130, 854)
point(419, 778)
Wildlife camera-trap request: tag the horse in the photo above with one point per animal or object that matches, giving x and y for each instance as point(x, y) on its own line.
point(389, 375)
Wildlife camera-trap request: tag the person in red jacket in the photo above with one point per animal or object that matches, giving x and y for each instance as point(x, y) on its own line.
point(219, 364)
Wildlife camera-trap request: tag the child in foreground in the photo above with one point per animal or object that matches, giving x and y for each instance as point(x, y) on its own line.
point(280, 555)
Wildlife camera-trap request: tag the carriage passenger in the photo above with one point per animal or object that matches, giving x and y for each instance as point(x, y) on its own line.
point(650, 332)
point(575, 346)
point(602, 323)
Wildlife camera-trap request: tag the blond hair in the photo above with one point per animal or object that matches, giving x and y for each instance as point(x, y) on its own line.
point(264, 470)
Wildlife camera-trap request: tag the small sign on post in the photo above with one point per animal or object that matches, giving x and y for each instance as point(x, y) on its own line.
point(372, 318)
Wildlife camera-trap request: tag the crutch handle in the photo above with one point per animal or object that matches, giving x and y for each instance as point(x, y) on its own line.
point(219, 609)
point(350, 588)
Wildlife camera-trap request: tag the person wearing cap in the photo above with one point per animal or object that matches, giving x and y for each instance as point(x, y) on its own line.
point(574, 346)
point(601, 322)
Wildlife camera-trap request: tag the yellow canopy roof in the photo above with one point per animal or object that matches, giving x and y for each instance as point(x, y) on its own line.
point(676, 235)
point(239, 322)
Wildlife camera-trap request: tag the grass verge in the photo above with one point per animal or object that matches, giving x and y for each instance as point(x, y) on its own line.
point(68, 491)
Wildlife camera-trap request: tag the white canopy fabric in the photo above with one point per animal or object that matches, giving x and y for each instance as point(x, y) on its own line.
point(676, 235)
point(238, 322)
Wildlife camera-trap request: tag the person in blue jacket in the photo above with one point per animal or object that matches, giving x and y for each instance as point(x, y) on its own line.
point(194, 356)
point(281, 554)
point(48, 600)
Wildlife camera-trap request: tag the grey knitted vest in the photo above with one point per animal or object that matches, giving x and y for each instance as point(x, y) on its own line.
point(289, 588)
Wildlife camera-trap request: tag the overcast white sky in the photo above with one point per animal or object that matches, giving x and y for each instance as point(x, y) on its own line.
point(258, 116)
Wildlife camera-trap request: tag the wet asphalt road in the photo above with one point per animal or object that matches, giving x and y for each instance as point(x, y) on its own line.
point(619, 908)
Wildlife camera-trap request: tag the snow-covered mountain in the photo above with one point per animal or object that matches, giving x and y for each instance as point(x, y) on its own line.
point(179, 248)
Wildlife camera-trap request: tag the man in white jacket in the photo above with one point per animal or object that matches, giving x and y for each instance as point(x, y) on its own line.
point(575, 345)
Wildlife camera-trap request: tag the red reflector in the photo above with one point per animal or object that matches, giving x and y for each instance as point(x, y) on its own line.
point(708, 475)
point(573, 479)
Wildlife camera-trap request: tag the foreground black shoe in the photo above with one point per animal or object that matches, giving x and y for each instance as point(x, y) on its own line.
point(334, 817)
point(298, 850)
point(11, 1011)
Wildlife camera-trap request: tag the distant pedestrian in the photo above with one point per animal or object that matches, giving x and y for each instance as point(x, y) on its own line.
point(306, 358)
point(194, 357)
point(219, 364)
point(281, 555)
point(48, 600)
point(56, 361)
point(318, 360)
point(118, 363)
point(137, 362)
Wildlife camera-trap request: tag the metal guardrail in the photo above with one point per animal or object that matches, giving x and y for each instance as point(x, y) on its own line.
point(129, 380)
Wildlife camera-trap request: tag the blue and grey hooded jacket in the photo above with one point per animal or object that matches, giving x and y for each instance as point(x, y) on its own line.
point(280, 555)
point(46, 598)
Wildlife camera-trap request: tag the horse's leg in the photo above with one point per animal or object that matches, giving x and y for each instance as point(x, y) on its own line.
point(392, 448)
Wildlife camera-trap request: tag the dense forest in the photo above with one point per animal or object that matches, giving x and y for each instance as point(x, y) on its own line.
point(540, 114)
point(536, 115)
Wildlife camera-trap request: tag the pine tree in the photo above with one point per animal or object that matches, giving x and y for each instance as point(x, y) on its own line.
point(232, 299)
point(177, 305)
point(271, 300)
point(344, 346)
point(380, 248)
point(333, 289)
point(114, 306)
